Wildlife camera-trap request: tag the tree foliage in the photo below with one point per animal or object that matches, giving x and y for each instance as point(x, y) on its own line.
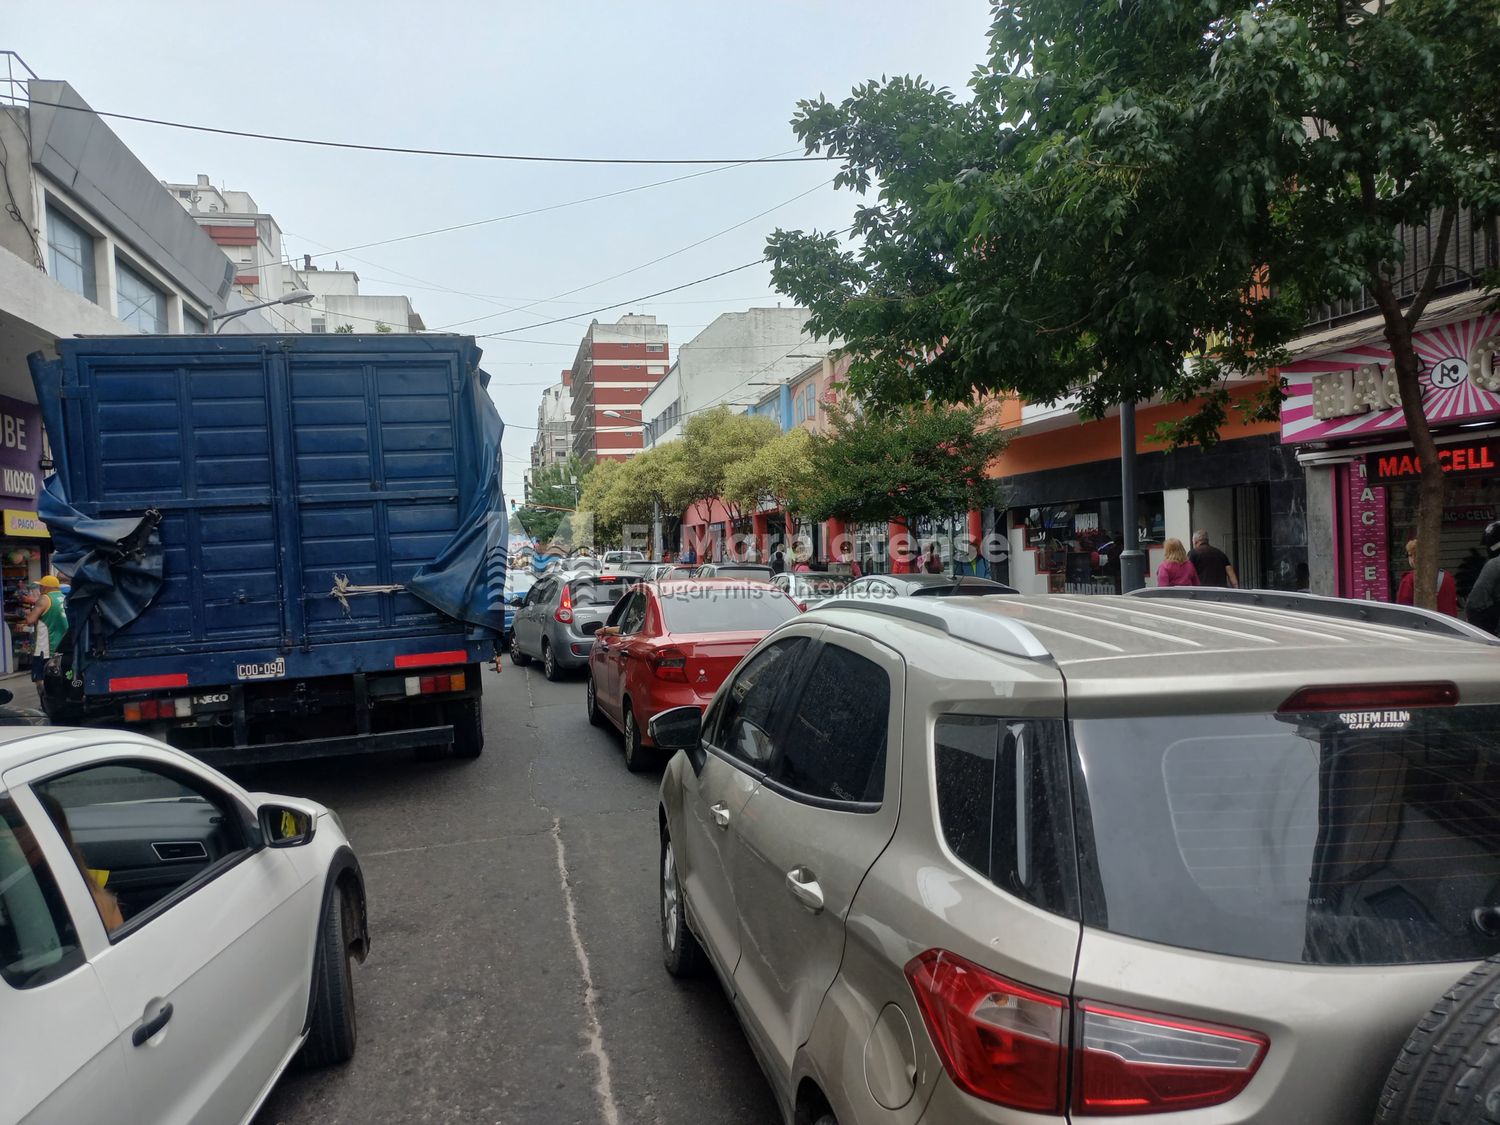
point(1143, 200)
point(713, 442)
point(554, 489)
point(901, 464)
point(778, 473)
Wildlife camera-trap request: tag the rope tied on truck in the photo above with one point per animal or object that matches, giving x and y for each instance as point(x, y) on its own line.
point(343, 590)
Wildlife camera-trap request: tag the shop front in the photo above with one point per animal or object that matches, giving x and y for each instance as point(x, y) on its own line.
point(1342, 413)
point(24, 542)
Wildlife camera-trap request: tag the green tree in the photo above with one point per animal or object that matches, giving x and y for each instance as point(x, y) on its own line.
point(711, 443)
point(344, 329)
point(779, 472)
point(900, 464)
point(554, 494)
point(382, 327)
point(1144, 199)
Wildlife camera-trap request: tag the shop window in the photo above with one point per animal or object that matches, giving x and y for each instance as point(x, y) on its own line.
point(1078, 544)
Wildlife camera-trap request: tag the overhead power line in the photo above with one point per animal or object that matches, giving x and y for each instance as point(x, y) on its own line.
point(645, 265)
point(527, 158)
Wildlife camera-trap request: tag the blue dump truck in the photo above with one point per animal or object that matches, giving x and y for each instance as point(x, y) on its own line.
point(279, 546)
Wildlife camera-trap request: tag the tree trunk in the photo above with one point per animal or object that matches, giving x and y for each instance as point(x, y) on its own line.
point(1400, 326)
point(1433, 486)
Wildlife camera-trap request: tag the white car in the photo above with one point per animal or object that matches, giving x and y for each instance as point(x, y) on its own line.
point(168, 941)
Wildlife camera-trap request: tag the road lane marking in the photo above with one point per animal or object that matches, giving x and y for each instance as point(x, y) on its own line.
point(602, 1086)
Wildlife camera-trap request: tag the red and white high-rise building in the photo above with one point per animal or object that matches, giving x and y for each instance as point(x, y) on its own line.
point(616, 365)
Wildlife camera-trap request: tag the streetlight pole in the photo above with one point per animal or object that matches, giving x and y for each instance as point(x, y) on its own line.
point(1132, 560)
point(295, 297)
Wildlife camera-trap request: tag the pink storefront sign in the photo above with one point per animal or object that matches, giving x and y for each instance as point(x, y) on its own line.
point(1352, 394)
point(1367, 573)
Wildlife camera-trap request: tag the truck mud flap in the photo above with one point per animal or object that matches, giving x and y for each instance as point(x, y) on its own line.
point(417, 738)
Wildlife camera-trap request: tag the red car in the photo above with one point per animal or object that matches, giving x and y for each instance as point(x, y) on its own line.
point(671, 644)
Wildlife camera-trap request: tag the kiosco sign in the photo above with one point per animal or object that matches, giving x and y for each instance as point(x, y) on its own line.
point(20, 449)
point(1466, 457)
point(1353, 393)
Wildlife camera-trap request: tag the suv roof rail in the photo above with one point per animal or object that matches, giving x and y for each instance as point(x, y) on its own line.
point(1373, 613)
point(988, 630)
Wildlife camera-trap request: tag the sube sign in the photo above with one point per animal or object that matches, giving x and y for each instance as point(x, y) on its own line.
point(20, 448)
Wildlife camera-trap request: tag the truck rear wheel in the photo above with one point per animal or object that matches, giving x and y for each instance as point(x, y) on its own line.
point(467, 719)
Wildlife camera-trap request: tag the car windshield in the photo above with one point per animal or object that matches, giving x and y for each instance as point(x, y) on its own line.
point(1357, 838)
point(604, 590)
point(725, 609)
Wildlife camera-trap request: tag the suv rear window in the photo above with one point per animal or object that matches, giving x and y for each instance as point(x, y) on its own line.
point(1328, 839)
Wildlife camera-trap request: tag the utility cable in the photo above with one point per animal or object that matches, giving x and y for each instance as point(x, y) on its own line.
point(652, 262)
point(409, 151)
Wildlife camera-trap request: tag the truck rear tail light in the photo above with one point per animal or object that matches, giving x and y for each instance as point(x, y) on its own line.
point(133, 712)
point(564, 612)
point(1137, 1062)
point(184, 708)
point(669, 664)
point(429, 685)
point(1373, 697)
point(998, 1040)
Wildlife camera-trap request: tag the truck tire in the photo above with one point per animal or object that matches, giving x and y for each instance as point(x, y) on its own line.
point(334, 1032)
point(467, 719)
point(1448, 1073)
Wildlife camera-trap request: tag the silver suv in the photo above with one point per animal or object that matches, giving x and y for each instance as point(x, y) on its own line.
point(1013, 859)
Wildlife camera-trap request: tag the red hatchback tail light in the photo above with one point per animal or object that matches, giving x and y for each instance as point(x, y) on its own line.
point(998, 1040)
point(1011, 1044)
point(1137, 1062)
point(564, 611)
point(669, 664)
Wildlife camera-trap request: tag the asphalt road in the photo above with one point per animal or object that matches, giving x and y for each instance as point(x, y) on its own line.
point(515, 974)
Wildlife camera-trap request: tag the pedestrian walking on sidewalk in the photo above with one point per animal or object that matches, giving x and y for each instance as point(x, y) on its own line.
point(1211, 564)
point(1175, 569)
point(1484, 599)
point(48, 618)
point(1447, 588)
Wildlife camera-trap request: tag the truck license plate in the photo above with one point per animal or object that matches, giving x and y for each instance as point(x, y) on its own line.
point(272, 671)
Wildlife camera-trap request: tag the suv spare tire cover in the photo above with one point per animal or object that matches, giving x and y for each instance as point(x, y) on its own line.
point(1448, 1073)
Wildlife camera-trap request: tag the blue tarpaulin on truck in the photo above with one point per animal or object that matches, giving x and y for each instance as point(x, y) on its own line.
point(467, 579)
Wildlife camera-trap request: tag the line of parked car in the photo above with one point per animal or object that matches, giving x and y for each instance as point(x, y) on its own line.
point(967, 858)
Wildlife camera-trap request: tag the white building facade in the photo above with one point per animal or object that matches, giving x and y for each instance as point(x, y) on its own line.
point(730, 363)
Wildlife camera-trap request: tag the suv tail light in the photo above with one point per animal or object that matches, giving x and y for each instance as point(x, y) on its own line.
point(998, 1040)
point(669, 664)
point(1010, 1044)
point(1137, 1062)
point(564, 611)
point(1377, 697)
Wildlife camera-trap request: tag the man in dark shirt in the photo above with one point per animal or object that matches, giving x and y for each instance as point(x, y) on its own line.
point(1213, 565)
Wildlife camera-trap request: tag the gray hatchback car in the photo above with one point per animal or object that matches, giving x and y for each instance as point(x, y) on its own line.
point(1024, 859)
point(562, 612)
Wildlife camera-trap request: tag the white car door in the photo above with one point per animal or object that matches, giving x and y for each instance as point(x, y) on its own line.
point(61, 1061)
point(209, 958)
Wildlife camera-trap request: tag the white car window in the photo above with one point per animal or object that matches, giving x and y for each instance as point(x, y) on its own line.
point(37, 940)
point(141, 833)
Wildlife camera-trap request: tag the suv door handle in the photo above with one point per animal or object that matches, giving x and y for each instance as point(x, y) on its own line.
point(148, 1028)
point(805, 889)
point(721, 815)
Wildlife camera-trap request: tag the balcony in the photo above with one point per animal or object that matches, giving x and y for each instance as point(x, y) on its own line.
point(1472, 249)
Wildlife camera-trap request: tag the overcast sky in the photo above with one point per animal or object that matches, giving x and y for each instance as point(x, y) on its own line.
point(694, 78)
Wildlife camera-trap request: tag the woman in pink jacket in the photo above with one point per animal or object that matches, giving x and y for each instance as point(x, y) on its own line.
point(1175, 569)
